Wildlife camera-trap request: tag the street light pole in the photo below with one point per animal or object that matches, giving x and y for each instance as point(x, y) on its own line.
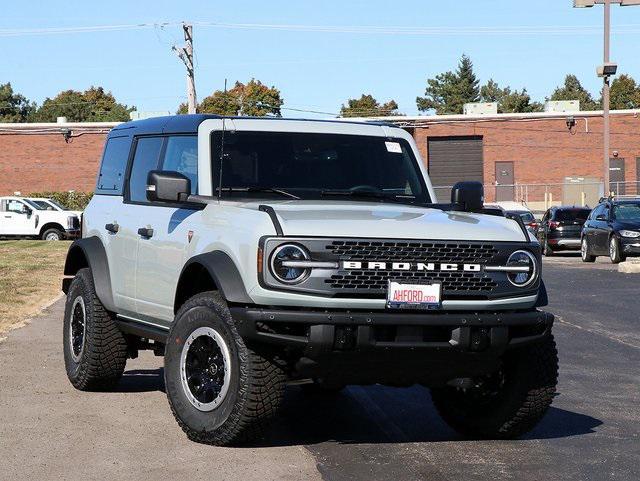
point(606, 90)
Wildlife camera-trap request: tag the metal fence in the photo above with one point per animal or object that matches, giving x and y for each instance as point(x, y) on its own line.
point(539, 197)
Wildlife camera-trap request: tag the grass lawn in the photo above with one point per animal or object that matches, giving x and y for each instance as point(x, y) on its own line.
point(30, 277)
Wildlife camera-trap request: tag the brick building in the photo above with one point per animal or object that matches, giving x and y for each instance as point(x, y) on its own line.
point(534, 157)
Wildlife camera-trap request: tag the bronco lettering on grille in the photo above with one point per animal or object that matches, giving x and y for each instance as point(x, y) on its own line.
point(410, 266)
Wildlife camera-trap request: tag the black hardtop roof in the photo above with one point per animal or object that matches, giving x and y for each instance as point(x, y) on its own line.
point(189, 123)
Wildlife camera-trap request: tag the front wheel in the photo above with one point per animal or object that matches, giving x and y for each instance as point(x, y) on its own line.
point(584, 251)
point(52, 234)
point(615, 253)
point(220, 391)
point(508, 403)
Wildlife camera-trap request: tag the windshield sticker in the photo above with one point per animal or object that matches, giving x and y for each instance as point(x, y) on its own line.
point(393, 147)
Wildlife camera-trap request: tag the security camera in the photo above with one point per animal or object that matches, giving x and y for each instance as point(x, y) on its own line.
point(616, 153)
point(571, 122)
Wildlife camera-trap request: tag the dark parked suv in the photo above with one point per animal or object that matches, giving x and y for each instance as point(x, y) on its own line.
point(560, 229)
point(613, 229)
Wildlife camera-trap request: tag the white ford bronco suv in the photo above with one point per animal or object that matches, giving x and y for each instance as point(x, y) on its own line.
point(253, 253)
point(23, 218)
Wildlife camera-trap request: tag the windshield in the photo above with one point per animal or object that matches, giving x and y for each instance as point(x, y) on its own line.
point(572, 215)
point(314, 166)
point(57, 204)
point(626, 212)
point(527, 217)
point(42, 205)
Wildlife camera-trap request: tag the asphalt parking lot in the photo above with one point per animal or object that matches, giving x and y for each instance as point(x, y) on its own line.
point(50, 431)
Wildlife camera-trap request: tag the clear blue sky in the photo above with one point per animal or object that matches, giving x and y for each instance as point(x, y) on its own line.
point(313, 70)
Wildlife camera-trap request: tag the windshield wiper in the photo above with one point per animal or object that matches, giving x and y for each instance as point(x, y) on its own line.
point(270, 190)
point(370, 195)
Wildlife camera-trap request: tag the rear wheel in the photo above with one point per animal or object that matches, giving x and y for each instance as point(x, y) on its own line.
point(220, 391)
point(615, 253)
point(508, 403)
point(584, 251)
point(95, 350)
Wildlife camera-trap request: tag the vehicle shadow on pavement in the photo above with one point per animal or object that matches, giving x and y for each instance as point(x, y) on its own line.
point(377, 414)
point(141, 380)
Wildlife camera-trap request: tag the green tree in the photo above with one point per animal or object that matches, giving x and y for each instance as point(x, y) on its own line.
point(573, 90)
point(625, 93)
point(509, 101)
point(13, 106)
point(448, 92)
point(368, 106)
point(92, 105)
point(253, 99)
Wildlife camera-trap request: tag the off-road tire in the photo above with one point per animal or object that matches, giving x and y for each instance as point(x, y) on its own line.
point(256, 386)
point(52, 231)
point(530, 379)
point(585, 254)
point(104, 353)
point(615, 252)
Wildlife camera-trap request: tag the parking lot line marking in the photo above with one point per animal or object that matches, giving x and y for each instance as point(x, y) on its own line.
point(597, 332)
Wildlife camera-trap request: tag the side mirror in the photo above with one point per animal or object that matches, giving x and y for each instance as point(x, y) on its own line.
point(167, 186)
point(601, 217)
point(468, 196)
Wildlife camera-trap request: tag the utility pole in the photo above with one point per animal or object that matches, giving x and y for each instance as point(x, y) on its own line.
point(606, 89)
point(606, 70)
point(186, 55)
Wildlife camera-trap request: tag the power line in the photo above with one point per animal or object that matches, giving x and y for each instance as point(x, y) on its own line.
point(342, 29)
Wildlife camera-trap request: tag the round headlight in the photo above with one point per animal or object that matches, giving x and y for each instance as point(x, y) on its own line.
point(527, 268)
point(288, 274)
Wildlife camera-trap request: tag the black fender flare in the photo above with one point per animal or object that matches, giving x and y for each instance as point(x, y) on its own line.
point(224, 273)
point(90, 252)
point(543, 298)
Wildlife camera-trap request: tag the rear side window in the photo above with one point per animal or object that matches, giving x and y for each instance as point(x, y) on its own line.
point(145, 159)
point(114, 163)
point(572, 215)
point(181, 155)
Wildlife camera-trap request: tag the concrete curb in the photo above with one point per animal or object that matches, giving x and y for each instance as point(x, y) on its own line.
point(629, 267)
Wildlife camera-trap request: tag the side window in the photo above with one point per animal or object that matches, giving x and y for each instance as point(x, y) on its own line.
point(182, 156)
point(15, 206)
point(597, 211)
point(145, 159)
point(114, 163)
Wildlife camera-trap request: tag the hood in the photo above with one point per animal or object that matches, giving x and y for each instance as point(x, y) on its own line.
point(375, 220)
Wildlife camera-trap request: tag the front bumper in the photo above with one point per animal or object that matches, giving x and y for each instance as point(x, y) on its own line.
point(318, 332)
point(72, 233)
point(630, 246)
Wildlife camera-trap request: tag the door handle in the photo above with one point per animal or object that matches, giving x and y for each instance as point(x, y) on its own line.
point(145, 232)
point(113, 228)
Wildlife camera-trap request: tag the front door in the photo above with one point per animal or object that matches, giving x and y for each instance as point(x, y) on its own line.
point(505, 190)
point(163, 229)
point(17, 218)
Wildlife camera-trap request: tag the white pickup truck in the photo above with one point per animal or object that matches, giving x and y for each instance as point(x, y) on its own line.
point(20, 217)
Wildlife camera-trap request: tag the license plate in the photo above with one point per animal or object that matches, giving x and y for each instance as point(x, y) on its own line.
point(414, 296)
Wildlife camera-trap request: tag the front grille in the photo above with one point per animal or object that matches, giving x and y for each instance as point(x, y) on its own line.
point(412, 251)
point(454, 284)
point(462, 282)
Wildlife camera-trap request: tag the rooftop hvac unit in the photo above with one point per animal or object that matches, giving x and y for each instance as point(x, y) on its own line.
point(562, 106)
point(481, 108)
